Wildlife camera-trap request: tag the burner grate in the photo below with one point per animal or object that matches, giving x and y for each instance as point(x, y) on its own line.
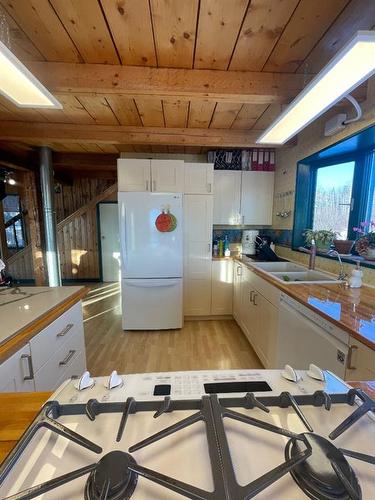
point(212, 411)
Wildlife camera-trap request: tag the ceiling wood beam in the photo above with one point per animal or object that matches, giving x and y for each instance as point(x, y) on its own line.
point(39, 133)
point(85, 161)
point(15, 162)
point(185, 84)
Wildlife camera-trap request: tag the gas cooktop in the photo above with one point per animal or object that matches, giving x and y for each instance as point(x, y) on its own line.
point(285, 439)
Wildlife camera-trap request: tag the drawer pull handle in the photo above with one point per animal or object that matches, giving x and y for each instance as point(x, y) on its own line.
point(254, 297)
point(251, 296)
point(350, 355)
point(65, 330)
point(30, 376)
point(239, 271)
point(65, 361)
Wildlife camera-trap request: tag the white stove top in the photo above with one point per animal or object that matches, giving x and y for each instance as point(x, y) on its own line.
point(185, 454)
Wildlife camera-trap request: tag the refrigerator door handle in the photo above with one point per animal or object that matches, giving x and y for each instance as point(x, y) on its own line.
point(154, 283)
point(123, 237)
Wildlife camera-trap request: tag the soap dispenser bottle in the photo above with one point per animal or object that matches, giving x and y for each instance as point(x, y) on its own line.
point(355, 280)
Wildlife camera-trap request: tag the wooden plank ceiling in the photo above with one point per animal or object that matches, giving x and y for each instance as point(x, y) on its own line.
point(294, 38)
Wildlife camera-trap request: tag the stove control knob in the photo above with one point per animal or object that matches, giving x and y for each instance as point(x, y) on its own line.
point(114, 380)
point(290, 374)
point(316, 372)
point(85, 382)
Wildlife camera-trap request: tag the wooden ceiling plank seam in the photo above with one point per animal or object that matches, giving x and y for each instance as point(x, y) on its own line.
point(225, 114)
point(109, 30)
point(296, 39)
point(130, 25)
point(151, 111)
point(217, 32)
point(324, 34)
point(357, 15)
point(213, 114)
point(124, 108)
point(162, 108)
point(200, 113)
point(238, 35)
point(39, 21)
point(174, 29)
point(98, 108)
point(84, 22)
point(248, 116)
point(153, 33)
point(263, 25)
point(196, 32)
point(175, 112)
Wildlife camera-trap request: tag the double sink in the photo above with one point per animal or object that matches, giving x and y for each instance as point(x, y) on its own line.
point(292, 274)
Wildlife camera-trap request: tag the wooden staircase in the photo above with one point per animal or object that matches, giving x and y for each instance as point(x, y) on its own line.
point(77, 239)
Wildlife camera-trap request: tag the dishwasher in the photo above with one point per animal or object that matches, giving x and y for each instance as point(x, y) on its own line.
point(305, 337)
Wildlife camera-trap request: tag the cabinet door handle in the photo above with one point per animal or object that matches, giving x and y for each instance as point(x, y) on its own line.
point(251, 296)
point(147, 185)
point(209, 248)
point(254, 297)
point(209, 187)
point(65, 361)
point(30, 376)
point(154, 185)
point(243, 220)
point(63, 332)
point(239, 271)
point(350, 355)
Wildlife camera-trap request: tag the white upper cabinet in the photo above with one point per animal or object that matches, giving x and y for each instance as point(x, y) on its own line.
point(199, 178)
point(227, 197)
point(257, 197)
point(167, 176)
point(134, 174)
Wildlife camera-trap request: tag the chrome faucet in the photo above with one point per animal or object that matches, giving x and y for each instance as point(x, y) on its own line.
point(312, 253)
point(342, 274)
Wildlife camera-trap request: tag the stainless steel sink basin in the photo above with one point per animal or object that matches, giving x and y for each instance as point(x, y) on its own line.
point(275, 267)
point(305, 276)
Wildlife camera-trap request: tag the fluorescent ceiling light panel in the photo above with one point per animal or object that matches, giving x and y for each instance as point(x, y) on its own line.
point(21, 86)
point(351, 66)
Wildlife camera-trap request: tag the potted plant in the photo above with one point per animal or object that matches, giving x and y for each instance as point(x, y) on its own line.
point(323, 238)
point(365, 244)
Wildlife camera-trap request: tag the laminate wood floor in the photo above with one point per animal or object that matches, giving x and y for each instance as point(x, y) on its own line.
point(199, 345)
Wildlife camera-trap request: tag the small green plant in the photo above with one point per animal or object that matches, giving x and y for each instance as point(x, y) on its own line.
point(323, 238)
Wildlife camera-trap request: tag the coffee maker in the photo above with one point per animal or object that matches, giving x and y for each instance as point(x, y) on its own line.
point(249, 241)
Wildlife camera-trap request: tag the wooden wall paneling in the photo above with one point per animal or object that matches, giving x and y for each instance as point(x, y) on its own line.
point(30, 197)
point(20, 265)
point(174, 26)
point(151, 112)
point(225, 114)
point(218, 28)
point(125, 109)
point(200, 113)
point(308, 24)
point(108, 148)
point(262, 27)
point(357, 15)
point(248, 115)
point(159, 148)
point(176, 149)
point(142, 148)
point(24, 114)
point(99, 109)
point(21, 45)
point(87, 28)
point(131, 28)
point(175, 112)
point(39, 21)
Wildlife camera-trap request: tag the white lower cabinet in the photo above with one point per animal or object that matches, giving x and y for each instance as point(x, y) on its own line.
point(222, 287)
point(255, 308)
point(16, 373)
point(53, 355)
point(361, 363)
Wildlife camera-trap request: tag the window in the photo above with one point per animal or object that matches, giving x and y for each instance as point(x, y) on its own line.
point(333, 195)
point(335, 188)
point(13, 222)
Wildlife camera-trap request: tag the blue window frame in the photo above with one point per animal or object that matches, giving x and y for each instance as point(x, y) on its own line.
point(348, 170)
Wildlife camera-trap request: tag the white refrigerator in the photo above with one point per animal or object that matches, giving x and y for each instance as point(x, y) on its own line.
point(151, 260)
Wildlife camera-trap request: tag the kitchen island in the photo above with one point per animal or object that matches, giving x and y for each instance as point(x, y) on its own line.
point(41, 337)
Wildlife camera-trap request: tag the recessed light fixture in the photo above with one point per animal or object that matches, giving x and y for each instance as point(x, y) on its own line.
point(19, 85)
point(351, 66)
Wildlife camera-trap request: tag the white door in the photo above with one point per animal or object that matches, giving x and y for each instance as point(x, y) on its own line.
point(237, 281)
point(227, 196)
point(167, 176)
point(109, 241)
point(199, 178)
point(134, 174)
point(197, 254)
point(257, 197)
point(147, 252)
point(222, 287)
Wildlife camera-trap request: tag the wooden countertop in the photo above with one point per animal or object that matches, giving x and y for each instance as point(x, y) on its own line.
point(17, 411)
point(17, 341)
point(352, 309)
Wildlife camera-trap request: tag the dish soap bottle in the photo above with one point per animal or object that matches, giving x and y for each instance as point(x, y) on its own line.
point(355, 280)
point(221, 248)
point(226, 247)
